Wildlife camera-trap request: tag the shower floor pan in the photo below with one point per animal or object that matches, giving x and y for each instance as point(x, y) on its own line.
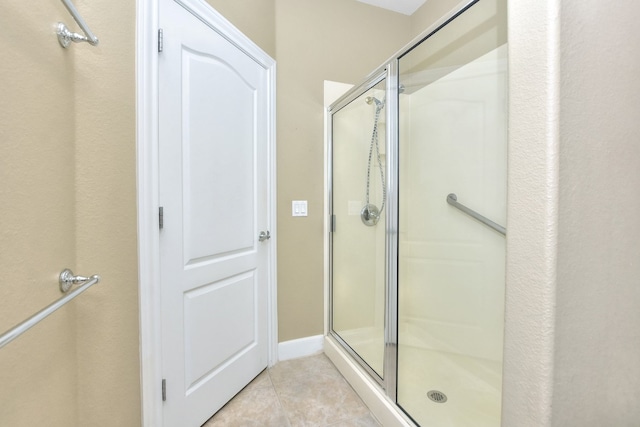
point(471, 400)
point(472, 386)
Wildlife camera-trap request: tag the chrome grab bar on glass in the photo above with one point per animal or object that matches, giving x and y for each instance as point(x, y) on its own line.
point(452, 199)
point(66, 36)
point(66, 280)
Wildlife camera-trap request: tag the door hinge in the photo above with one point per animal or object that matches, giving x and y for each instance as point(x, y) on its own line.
point(333, 223)
point(161, 217)
point(160, 40)
point(164, 390)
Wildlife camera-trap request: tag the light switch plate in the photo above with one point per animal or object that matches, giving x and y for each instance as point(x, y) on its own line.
point(299, 208)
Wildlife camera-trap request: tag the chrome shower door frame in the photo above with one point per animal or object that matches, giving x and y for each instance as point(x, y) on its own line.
point(391, 245)
point(389, 73)
point(374, 79)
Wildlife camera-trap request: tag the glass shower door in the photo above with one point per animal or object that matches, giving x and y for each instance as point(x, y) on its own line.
point(452, 141)
point(358, 204)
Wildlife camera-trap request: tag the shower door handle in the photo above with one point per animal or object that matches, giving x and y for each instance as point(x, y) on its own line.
point(264, 236)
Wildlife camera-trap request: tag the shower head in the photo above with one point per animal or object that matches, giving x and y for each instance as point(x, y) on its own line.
point(371, 99)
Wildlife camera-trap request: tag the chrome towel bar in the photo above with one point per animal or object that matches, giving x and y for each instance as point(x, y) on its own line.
point(67, 279)
point(66, 36)
point(452, 199)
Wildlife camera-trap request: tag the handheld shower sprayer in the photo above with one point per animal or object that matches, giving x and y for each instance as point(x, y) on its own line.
point(370, 214)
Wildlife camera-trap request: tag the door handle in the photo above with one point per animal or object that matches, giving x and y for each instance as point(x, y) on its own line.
point(264, 236)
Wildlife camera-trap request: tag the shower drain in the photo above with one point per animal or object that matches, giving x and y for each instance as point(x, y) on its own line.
point(437, 396)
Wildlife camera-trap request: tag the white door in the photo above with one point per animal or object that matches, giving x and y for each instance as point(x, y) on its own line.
point(213, 136)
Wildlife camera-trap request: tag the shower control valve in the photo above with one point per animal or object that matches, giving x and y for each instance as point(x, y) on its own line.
point(370, 214)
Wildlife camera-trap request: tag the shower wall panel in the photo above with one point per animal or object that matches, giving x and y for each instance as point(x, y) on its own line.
point(453, 267)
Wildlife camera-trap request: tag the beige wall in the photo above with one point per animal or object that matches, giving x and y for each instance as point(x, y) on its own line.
point(430, 12)
point(255, 18)
point(67, 120)
point(37, 233)
point(106, 224)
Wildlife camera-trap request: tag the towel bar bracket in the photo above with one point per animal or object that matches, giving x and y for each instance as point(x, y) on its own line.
point(66, 36)
point(67, 280)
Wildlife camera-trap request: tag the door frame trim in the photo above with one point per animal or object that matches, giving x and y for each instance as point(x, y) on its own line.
point(147, 176)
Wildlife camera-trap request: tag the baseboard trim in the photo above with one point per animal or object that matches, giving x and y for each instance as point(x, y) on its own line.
point(300, 347)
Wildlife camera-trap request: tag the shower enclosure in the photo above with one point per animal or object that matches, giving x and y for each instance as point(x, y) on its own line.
point(417, 183)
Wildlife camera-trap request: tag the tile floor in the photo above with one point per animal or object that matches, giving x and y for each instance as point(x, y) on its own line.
point(301, 392)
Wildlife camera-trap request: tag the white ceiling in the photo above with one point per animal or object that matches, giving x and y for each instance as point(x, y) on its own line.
point(402, 6)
